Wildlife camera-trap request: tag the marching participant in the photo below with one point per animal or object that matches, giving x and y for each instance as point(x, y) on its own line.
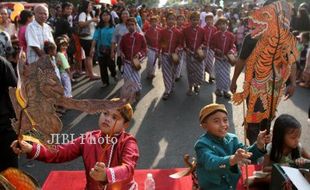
point(152, 38)
point(170, 40)
point(133, 50)
point(222, 44)
point(194, 38)
point(180, 27)
point(210, 30)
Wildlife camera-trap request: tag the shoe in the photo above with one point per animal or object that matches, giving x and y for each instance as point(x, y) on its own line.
point(218, 93)
point(211, 80)
point(165, 96)
point(105, 85)
point(197, 89)
point(189, 93)
point(227, 95)
point(94, 77)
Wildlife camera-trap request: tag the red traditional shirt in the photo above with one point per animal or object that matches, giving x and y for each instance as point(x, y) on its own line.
point(209, 32)
point(170, 39)
point(123, 155)
point(133, 44)
point(193, 37)
point(152, 37)
point(224, 42)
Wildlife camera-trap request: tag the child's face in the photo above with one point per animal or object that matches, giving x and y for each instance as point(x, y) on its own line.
point(195, 21)
point(291, 139)
point(216, 124)
point(153, 23)
point(180, 21)
point(171, 21)
point(53, 52)
point(108, 119)
point(222, 26)
point(209, 20)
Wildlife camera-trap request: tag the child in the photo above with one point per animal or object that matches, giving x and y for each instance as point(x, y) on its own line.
point(170, 41)
point(304, 45)
point(51, 49)
point(210, 30)
point(306, 71)
point(152, 39)
point(219, 153)
point(194, 39)
point(132, 46)
point(222, 43)
point(63, 65)
point(107, 163)
point(180, 26)
point(285, 147)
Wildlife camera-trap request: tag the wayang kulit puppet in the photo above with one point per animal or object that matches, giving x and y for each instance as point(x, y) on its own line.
point(38, 93)
point(269, 65)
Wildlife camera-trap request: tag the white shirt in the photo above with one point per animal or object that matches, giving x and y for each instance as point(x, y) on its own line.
point(36, 35)
point(92, 25)
point(203, 19)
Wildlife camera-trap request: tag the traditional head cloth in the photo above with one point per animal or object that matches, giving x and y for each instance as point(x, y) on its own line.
point(131, 19)
point(126, 110)
point(209, 14)
point(195, 14)
point(209, 109)
point(221, 20)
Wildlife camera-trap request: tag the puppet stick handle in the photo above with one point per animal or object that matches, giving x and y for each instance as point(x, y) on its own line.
point(245, 144)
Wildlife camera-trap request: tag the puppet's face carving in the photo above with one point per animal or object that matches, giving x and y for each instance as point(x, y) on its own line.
point(262, 21)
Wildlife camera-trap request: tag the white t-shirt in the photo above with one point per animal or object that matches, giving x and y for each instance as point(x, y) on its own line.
point(203, 19)
point(92, 25)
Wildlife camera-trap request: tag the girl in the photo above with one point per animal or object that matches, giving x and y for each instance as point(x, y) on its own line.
point(51, 49)
point(63, 65)
point(285, 147)
point(86, 19)
point(26, 17)
point(103, 39)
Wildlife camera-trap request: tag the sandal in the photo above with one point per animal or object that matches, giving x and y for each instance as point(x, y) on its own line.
point(165, 96)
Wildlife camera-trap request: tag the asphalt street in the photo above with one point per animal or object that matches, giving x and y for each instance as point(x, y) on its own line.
point(165, 130)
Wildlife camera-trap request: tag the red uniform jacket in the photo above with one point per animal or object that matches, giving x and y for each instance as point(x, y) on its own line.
point(223, 42)
point(133, 44)
point(152, 37)
point(193, 37)
point(123, 162)
point(181, 28)
point(170, 39)
point(209, 32)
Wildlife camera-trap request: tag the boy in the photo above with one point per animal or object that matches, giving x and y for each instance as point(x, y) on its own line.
point(180, 26)
point(194, 38)
point(219, 153)
point(132, 46)
point(170, 42)
point(222, 43)
point(210, 30)
point(107, 162)
point(152, 39)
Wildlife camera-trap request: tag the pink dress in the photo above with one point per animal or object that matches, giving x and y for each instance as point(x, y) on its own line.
point(22, 38)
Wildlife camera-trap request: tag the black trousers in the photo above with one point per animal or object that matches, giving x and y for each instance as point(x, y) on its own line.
point(119, 62)
point(8, 158)
point(106, 62)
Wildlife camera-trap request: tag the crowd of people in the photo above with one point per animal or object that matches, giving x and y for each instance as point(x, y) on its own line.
point(119, 38)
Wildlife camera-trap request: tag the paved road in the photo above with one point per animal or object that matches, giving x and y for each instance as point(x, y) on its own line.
point(165, 130)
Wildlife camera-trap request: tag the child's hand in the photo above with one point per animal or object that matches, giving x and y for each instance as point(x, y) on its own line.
point(301, 161)
point(98, 172)
point(241, 157)
point(21, 147)
point(262, 139)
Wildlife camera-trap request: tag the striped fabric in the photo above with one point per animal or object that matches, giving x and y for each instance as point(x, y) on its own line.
point(168, 69)
point(195, 70)
point(222, 74)
point(151, 61)
point(209, 62)
point(131, 74)
point(180, 65)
